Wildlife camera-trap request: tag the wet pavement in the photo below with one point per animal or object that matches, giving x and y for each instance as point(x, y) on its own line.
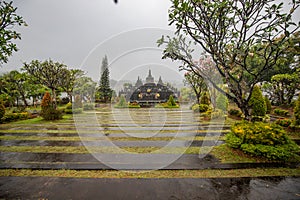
point(90, 162)
point(270, 188)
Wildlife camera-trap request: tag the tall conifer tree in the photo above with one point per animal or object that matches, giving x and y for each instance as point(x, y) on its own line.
point(105, 92)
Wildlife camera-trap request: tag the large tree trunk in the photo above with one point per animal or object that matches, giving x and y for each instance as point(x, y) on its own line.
point(24, 100)
point(54, 98)
point(70, 96)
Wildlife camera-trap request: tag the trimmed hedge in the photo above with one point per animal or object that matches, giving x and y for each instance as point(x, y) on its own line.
point(281, 112)
point(283, 122)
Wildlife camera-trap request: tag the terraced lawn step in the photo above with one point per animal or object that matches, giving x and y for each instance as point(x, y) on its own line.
point(112, 149)
point(117, 125)
point(140, 143)
point(89, 162)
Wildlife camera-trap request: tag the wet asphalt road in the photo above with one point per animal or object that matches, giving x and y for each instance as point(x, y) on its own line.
point(219, 188)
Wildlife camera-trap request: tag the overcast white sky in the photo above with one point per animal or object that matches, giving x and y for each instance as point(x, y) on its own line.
point(80, 32)
point(74, 32)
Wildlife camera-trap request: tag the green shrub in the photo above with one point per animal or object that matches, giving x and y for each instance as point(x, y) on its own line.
point(257, 103)
point(73, 111)
point(200, 108)
point(48, 112)
point(283, 152)
point(2, 110)
point(268, 105)
point(52, 114)
point(281, 112)
point(222, 102)
point(134, 105)
point(235, 112)
point(205, 99)
point(9, 117)
point(166, 105)
point(283, 122)
point(88, 106)
point(122, 103)
point(217, 114)
point(261, 139)
point(297, 112)
point(171, 102)
point(69, 106)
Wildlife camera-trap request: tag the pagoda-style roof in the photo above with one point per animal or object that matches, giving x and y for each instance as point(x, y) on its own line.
point(151, 93)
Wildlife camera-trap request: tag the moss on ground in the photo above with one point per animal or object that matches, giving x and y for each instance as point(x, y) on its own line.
point(207, 173)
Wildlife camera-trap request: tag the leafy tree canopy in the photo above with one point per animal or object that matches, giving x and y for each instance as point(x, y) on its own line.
point(244, 38)
point(8, 20)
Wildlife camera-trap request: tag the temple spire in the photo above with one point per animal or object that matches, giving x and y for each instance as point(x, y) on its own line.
point(160, 81)
point(150, 78)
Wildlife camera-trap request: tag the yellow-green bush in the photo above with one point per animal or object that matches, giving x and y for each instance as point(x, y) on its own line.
point(200, 108)
point(261, 139)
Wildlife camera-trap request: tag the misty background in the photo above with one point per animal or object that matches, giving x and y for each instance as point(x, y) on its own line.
point(79, 33)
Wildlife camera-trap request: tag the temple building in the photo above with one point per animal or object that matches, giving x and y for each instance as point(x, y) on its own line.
point(150, 93)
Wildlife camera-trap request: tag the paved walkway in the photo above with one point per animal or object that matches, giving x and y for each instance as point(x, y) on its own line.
point(173, 189)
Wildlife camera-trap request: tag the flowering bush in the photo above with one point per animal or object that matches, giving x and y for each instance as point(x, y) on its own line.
point(261, 139)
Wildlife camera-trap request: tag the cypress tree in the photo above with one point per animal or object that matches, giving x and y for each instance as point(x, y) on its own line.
point(257, 103)
point(268, 104)
point(222, 102)
point(105, 92)
point(297, 112)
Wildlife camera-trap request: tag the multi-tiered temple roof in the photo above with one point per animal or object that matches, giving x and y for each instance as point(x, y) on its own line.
point(150, 93)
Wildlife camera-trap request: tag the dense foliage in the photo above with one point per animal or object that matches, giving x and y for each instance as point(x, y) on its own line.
point(8, 20)
point(200, 108)
point(222, 102)
point(48, 73)
point(268, 105)
point(2, 110)
point(205, 99)
point(280, 112)
point(235, 112)
point(283, 122)
point(261, 139)
point(235, 34)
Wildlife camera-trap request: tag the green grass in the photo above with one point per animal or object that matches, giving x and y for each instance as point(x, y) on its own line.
point(207, 173)
point(294, 135)
point(40, 120)
point(76, 138)
point(92, 149)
